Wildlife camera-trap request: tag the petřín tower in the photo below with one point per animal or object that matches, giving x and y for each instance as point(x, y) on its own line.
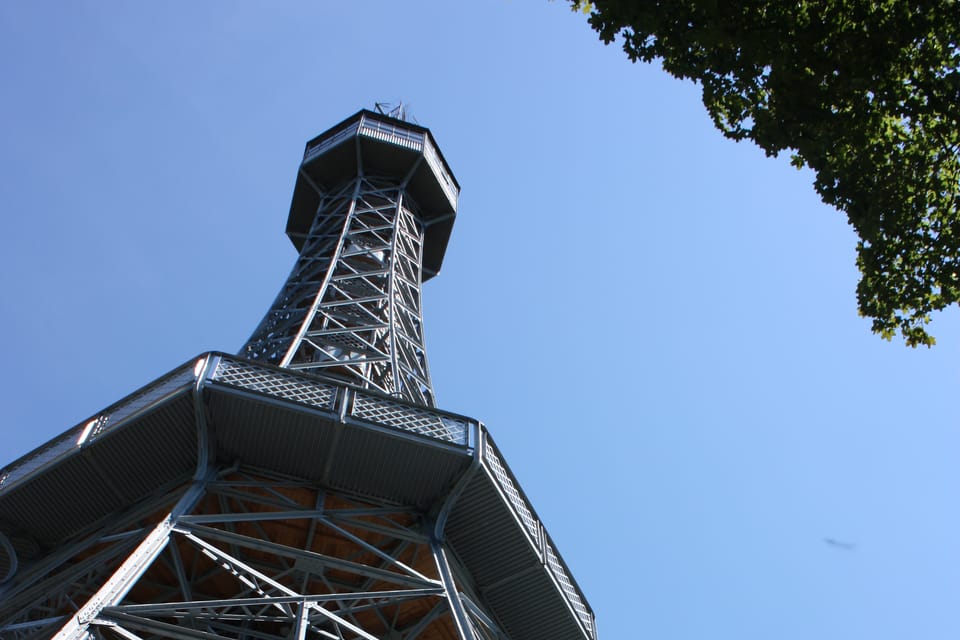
point(307, 488)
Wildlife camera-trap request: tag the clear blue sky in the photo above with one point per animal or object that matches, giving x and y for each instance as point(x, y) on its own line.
point(657, 325)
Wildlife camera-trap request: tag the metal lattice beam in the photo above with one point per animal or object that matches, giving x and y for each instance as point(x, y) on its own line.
point(372, 211)
point(351, 305)
point(352, 302)
point(320, 507)
point(248, 555)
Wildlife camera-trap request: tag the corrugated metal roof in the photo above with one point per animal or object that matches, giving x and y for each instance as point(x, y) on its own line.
point(404, 470)
point(486, 535)
point(508, 569)
point(282, 438)
point(107, 474)
point(515, 600)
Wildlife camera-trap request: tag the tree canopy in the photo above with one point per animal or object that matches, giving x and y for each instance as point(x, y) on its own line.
point(866, 93)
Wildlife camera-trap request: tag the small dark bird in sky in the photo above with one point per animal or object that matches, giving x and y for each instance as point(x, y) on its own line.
point(839, 544)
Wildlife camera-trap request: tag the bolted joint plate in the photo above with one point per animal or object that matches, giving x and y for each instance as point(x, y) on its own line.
point(379, 146)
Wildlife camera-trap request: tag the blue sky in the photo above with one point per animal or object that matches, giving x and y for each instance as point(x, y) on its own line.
point(657, 325)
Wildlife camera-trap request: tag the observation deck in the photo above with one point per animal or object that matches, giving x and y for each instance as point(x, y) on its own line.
point(375, 145)
point(273, 420)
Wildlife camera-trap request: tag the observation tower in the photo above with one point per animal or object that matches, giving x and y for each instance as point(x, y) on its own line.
point(307, 487)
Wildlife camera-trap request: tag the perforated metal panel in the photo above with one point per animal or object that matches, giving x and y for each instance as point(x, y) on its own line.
point(566, 584)
point(409, 418)
point(300, 389)
point(505, 481)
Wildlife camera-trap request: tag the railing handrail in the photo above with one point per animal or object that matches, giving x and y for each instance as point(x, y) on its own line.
point(539, 538)
point(108, 419)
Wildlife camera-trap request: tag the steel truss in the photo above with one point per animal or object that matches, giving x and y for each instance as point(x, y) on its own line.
point(250, 555)
point(351, 305)
point(242, 553)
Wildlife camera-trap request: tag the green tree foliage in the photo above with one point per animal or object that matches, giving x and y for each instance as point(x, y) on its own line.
point(864, 92)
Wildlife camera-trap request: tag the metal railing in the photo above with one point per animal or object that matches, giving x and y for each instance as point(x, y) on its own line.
point(341, 399)
point(510, 489)
point(421, 420)
point(538, 537)
point(328, 143)
point(114, 416)
point(446, 182)
point(337, 400)
point(570, 590)
point(389, 132)
point(296, 388)
point(359, 405)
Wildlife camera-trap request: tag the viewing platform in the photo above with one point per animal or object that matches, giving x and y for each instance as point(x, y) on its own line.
point(224, 409)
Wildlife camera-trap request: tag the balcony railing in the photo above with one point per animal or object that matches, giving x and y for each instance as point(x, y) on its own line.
point(537, 536)
point(372, 127)
point(89, 430)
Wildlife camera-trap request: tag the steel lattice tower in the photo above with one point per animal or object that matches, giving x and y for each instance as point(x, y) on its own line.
point(352, 301)
point(307, 488)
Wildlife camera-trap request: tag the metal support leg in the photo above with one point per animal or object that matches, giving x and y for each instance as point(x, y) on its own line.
point(117, 586)
point(457, 610)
